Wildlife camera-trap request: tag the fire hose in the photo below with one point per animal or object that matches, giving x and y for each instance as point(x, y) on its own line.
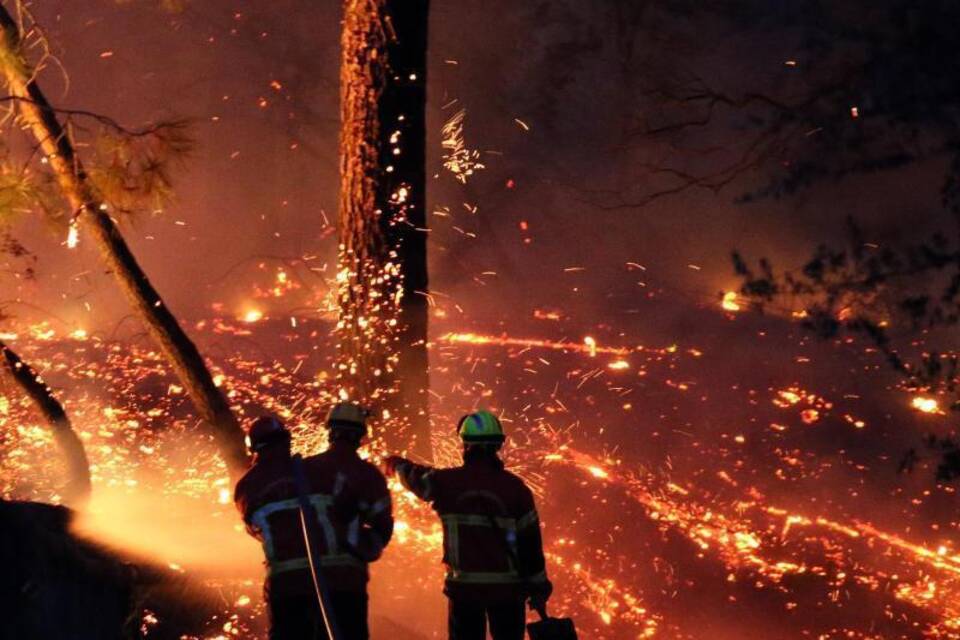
point(308, 521)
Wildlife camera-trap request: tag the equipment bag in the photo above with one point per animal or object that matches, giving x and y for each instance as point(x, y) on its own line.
point(552, 629)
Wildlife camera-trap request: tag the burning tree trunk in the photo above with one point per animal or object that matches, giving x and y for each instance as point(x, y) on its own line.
point(382, 219)
point(77, 490)
point(40, 117)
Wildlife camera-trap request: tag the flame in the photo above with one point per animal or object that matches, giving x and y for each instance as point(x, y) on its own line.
point(589, 345)
point(926, 405)
point(159, 490)
point(729, 302)
point(252, 315)
point(73, 236)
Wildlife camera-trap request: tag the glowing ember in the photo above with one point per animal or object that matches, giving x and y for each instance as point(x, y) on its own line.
point(589, 345)
point(729, 302)
point(73, 236)
point(252, 315)
point(926, 405)
point(607, 527)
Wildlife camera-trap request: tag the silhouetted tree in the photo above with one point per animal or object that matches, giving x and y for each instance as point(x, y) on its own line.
point(877, 89)
point(77, 488)
point(382, 220)
point(869, 290)
point(130, 174)
point(812, 91)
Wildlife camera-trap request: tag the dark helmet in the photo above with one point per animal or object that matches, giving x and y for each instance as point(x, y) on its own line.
point(266, 431)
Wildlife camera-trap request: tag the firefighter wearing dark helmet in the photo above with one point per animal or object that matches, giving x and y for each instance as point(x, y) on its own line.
point(354, 524)
point(492, 544)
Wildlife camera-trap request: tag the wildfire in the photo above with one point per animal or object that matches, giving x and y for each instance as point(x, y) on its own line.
point(614, 585)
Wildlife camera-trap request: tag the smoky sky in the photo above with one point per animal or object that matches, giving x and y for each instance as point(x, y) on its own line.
point(551, 92)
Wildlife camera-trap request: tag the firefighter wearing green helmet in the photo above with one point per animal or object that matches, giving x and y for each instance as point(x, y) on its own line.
point(493, 548)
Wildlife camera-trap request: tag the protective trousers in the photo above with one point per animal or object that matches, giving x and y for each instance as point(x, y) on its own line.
point(298, 617)
point(468, 620)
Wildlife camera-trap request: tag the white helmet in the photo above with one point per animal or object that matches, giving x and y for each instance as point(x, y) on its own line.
point(347, 415)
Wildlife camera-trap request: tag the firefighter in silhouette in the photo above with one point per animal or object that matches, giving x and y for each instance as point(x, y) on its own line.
point(353, 524)
point(492, 545)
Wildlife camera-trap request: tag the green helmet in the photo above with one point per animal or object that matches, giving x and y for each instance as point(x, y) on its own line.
point(480, 427)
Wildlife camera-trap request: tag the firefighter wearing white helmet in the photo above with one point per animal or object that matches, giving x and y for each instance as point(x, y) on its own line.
point(354, 518)
point(492, 543)
point(349, 417)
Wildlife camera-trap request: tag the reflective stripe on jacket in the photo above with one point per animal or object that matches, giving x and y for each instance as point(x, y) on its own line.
point(353, 510)
point(331, 554)
point(492, 543)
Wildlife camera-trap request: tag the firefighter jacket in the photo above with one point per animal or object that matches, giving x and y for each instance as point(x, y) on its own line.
point(492, 546)
point(353, 518)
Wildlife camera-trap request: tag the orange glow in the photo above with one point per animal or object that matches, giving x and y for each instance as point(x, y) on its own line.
point(73, 236)
point(589, 345)
point(926, 405)
point(729, 302)
point(252, 315)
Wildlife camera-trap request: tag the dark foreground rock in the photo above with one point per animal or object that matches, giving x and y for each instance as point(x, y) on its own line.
point(55, 585)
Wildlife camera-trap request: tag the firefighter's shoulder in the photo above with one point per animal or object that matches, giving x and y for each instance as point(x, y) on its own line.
point(513, 478)
point(517, 486)
point(363, 473)
point(244, 484)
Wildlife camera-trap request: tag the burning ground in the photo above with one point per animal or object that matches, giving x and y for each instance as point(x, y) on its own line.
point(709, 487)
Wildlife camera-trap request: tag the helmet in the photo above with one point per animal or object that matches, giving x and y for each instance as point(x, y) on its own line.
point(480, 427)
point(348, 415)
point(265, 431)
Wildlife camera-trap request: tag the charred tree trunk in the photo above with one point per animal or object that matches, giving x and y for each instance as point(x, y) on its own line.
point(40, 117)
point(77, 490)
point(382, 219)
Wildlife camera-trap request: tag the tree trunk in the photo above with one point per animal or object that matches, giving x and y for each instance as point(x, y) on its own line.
point(77, 490)
point(382, 218)
point(180, 352)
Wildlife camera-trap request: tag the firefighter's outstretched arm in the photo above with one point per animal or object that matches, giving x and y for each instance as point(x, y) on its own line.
point(415, 477)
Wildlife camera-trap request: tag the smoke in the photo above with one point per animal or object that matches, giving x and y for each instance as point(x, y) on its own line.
point(173, 530)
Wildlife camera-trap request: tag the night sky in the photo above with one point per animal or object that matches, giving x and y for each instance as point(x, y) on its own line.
point(261, 182)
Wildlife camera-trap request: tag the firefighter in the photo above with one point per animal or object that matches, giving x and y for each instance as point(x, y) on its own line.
point(354, 524)
point(492, 545)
